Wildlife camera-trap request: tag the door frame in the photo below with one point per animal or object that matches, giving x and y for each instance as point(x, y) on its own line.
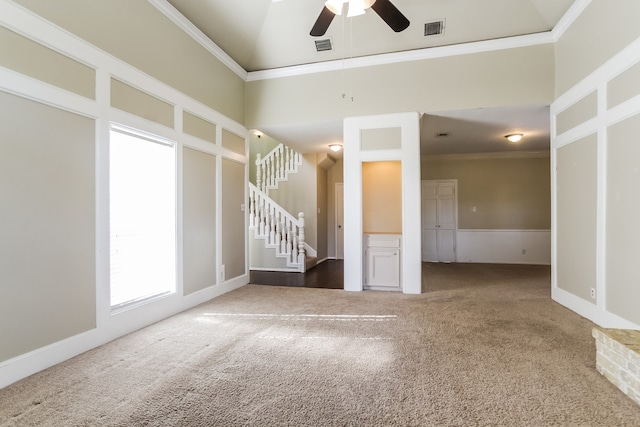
point(455, 229)
point(336, 204)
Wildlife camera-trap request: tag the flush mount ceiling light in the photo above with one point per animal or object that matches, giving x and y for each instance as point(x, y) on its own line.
point(335, 147)
point(514, 137)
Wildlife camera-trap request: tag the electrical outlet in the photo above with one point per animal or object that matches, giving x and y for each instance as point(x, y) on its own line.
point(593, 293)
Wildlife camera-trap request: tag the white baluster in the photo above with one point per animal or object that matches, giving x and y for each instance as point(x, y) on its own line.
point(287, 159)
point(272, 225)
point(278, 231)
point(259, 171)
point(285, 236)
point(263, 223)
point(278, 163)
point(289, 248)
point(293, 257)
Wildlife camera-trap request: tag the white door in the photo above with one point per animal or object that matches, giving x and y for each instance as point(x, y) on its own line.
point(439, 221)
point(340, 220)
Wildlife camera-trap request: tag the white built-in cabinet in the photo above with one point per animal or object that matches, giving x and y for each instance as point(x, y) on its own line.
point(382, 261)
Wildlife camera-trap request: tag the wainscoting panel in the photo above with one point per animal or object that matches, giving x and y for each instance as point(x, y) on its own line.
point(505, 246)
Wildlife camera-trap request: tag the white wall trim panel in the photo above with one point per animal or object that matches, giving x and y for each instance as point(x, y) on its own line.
point(36, 90)
point(409, 155)
point(38, 29)
point(125, 322)
point(505, 246)
point(591, 311)
point(606, 117)
point(112, 325)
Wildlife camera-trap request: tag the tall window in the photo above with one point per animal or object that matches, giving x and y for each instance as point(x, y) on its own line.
point(142, 216)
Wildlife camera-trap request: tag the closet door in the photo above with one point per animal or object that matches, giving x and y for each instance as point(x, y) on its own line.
point(439, 221)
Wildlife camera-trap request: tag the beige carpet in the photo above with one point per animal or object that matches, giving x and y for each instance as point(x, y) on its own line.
point(484, 346)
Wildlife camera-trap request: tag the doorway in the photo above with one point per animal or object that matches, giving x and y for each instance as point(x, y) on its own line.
point(439, 220)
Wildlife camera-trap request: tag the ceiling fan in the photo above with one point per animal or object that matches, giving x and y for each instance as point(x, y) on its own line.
point(384, 8)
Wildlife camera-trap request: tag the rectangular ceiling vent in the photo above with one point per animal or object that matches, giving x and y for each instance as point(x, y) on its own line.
point(323, 45)
point(434, 28)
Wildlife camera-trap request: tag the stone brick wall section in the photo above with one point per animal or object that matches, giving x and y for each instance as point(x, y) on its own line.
point(618, 359)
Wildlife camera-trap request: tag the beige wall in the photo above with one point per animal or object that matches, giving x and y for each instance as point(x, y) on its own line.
point(54, 205)
point(198, 127)
point(47, 225)
point(28, 57)
point(587, 44)
point(233, 142)
point(580, 112)
point(382, 197)
point(137, 33)
point(134, 101)
point(522, 76)
point(576, 220)
point(623, 230)
point(508, 193)
point(199, 220)
point(580, 254)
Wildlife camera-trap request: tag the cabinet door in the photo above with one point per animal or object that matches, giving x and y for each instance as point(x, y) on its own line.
point(383, 267)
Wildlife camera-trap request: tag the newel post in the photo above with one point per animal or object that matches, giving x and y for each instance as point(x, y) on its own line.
point(301, 259)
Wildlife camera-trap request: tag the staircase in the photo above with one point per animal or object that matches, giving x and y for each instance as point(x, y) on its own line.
point(275, 167)
point(280, 230)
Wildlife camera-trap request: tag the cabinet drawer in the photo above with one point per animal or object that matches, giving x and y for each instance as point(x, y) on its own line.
point(382, 241)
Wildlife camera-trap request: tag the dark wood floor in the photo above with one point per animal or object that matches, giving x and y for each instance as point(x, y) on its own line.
point(328, 274)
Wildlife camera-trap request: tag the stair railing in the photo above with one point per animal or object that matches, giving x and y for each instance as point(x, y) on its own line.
point(279, 228)
point(275, 166)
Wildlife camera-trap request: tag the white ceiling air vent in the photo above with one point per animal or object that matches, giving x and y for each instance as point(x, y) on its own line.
point(434, 28)
point(323, 45)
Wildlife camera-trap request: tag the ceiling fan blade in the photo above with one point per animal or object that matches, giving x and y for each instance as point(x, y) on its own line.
point(322, 23)
point(391, 15)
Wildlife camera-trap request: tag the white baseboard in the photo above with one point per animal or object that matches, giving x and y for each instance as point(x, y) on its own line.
point(115, 326)
point(586, 309)
point(280, 270)
point(504, 246)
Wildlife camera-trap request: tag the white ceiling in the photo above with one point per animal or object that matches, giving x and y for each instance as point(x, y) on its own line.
point(262, 34)
point(483, 130)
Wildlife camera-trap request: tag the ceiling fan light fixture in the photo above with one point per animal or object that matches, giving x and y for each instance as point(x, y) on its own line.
point(355, 9)
point(335, 6)
point(514, 137)
point(335, 147)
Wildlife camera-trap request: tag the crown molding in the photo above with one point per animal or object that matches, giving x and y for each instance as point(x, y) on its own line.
point(407, 56)
point(187, 26)
point(485, 156)
point(569, 18)
point(372, 60)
